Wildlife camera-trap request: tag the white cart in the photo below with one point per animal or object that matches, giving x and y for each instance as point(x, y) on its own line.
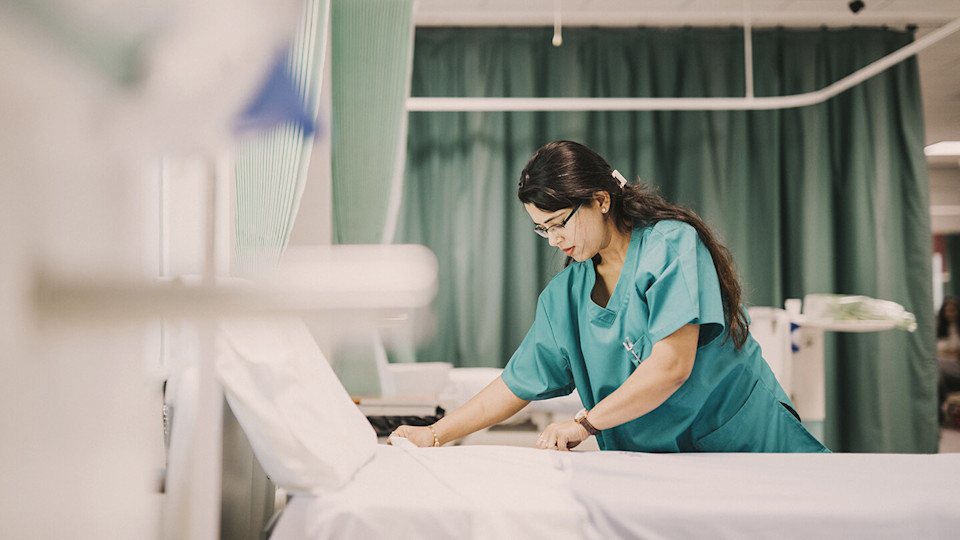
point(792, 343)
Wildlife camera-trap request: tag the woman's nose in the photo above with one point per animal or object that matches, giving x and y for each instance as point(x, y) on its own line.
point(554, 239)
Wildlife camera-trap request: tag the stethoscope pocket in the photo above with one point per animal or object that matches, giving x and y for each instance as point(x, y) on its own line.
point(634, 348)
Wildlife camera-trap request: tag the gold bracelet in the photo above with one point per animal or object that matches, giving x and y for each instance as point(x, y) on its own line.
point(436, 440)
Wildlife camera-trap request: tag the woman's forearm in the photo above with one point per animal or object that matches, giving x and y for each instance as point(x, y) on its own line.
point(653, 382)
point(492, 405)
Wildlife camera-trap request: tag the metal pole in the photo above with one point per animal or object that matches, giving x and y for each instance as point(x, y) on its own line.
point(415, 104)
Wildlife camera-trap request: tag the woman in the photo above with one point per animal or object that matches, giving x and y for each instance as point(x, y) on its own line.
point(948, 352)
point(645, 322)
point(948, 329)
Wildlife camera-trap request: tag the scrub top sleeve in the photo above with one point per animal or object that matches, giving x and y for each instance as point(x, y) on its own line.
point(539, 369)
point(679, 281)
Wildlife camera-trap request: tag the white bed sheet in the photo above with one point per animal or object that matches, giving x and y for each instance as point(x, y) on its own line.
point(445, 493)
point(490, 492)
point(782, 496)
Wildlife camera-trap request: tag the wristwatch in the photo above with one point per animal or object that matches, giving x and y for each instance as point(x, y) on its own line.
point(581, 418)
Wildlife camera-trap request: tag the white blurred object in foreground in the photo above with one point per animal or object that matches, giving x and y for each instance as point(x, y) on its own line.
point(90, 93)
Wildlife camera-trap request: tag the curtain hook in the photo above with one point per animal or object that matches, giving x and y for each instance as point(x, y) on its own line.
point(557, 35)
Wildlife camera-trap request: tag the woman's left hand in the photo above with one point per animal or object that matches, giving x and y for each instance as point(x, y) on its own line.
point(562, 436)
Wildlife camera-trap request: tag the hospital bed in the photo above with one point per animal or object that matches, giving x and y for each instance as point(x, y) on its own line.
point(314, 443)
point(510, 492)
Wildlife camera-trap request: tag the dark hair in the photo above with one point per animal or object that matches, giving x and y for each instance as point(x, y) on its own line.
point(943, 325)
point(562, 174)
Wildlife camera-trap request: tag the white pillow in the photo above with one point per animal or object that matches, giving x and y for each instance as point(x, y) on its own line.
point(303, 426)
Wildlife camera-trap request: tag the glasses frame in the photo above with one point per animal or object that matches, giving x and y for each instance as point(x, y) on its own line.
point(545, 232)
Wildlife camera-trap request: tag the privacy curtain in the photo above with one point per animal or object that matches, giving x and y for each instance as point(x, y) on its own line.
point(831, 198)
point(371, 48)
point(371, 44)
point(271, 167)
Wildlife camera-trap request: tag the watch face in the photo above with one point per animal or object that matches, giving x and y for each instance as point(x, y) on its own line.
point(581, 415)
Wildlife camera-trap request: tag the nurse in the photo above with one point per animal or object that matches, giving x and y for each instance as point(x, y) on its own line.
point(645, 322)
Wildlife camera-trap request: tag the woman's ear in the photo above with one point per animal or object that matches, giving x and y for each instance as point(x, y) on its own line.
point(603, 201)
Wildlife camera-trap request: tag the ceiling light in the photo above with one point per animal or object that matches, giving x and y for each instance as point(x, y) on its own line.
point(943, 148)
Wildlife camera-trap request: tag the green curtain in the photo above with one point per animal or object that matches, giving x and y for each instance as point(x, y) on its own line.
point(371, 56)
point(371, 43)
point(271, 167)
point(831, 198)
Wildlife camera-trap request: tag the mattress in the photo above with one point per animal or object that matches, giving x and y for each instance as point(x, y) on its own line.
point(449, 492)
point(782, 496)
point(492, 492)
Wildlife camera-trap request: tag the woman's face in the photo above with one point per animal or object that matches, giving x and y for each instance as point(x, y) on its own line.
point(950, 311)
point(585, 234)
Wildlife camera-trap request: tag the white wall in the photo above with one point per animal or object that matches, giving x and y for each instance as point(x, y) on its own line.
point(945, 200)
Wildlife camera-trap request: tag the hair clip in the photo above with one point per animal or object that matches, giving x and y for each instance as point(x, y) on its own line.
point(620, 179)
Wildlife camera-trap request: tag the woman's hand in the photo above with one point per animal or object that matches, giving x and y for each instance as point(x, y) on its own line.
point(562, 436)
point(421, 436)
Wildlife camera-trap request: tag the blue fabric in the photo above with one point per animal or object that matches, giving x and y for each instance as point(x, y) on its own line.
point(276, 101)
point(730, 402)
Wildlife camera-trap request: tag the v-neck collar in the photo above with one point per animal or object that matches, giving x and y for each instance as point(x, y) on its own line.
point(608, 314)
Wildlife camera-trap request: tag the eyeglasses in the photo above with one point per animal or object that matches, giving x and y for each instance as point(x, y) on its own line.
point(554, 229)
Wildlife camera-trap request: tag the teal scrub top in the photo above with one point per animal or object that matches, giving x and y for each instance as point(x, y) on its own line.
point(731, 402)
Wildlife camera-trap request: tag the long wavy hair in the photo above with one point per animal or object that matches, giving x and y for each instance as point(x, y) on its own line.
point(563, 174)
point(943, 324)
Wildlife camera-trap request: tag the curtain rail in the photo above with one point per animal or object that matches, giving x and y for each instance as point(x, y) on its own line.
point(501, 104)
point(707, 19)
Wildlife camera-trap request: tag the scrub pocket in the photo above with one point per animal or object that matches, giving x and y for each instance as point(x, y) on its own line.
point(762, 424)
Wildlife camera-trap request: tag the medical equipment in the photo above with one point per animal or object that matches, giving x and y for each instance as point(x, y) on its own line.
point(792, 342)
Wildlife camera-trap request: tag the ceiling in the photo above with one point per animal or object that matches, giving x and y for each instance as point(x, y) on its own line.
point(939, 63)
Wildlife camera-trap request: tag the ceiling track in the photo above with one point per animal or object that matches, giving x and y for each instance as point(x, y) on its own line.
point(747, 103)
point(703, 18)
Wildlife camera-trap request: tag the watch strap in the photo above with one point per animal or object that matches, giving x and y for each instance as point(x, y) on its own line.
point(585, 422)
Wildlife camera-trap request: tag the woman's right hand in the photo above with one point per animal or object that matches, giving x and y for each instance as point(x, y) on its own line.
point(421, 436)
